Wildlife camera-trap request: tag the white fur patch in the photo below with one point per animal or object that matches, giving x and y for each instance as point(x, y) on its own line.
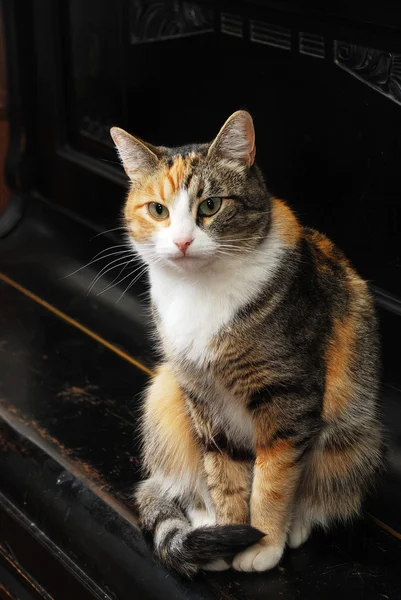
point(217, 565)
point(299, 532)
point(233, 418)
point(201, 518)
point(195, 305)
point(182, 222)
point(258, 558)
point(187, 485)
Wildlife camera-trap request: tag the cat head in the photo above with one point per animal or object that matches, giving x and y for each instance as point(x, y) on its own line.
point(195, 204)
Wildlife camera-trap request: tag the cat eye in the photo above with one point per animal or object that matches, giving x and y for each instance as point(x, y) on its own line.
point(158, 211)
point(209, 207)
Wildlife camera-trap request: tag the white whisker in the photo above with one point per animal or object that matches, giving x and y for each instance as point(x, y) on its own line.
point(115, 280)
point(103, 272)
point(142, 272)
point(249, 239)
point(96, 258)
point(123, 279)
point(107, 231)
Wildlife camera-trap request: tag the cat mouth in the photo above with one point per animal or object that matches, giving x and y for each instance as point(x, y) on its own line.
point(182, 257)
point(187, 259)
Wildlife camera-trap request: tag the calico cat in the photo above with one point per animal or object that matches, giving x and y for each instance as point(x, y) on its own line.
point(261, 421)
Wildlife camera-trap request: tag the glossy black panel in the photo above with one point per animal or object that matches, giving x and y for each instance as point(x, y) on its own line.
point(95, 68)
point(25, 560)
point(359, 563)
point(97, 543)
point(76, 391)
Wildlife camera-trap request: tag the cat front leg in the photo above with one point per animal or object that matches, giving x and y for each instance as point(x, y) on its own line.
point(229, 482)
point(276, 476)
point(279, 447)
point(227, 465)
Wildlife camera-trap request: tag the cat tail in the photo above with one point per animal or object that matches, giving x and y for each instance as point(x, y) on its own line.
point(177, 544)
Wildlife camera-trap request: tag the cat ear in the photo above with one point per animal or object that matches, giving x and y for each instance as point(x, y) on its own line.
point(236, 140)
point(136, 156)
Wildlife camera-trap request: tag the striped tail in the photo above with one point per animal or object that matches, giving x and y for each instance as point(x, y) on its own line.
point(177, 544)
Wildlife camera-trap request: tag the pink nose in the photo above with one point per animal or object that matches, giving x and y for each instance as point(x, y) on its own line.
point(184, 244)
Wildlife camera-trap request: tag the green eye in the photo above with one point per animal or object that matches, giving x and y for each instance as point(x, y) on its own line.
point(158, 211)
point(209, 207)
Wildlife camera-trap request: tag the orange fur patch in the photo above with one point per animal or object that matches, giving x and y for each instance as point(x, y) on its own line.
point(328, 252)
point(177, 172)
point(280, 453)
point(325, 245)
point(286, 224)
point(175, 448)
point(275, 479)
point(339, 387)
point(333, 464)
point(162, 186)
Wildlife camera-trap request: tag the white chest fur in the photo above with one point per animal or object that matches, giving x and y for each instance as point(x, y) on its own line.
point(195, 307)
point(191, 315)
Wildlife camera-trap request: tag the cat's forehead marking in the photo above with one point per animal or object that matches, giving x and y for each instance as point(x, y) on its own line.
point(177, 175)
point(178, 172)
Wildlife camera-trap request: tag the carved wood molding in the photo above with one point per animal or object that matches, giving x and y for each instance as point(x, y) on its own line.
point(378, 69)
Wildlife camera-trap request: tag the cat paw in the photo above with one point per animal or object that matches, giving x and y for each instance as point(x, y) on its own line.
point(217, 565)
point(260, 557)
point(201, 518)
point(299, 533)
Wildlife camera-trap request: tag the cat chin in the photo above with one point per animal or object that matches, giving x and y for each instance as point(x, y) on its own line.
point(188, 263)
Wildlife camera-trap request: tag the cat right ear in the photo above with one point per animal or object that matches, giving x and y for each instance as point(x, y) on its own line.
point(235, 141)
point(136, 156)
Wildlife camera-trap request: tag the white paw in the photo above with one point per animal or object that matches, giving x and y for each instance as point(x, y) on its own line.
point(201, 518)
point(217, 565)
point(260, 557)
point(299, 533)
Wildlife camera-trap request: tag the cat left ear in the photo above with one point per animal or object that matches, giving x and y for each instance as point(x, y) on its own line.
point(136, 156)
point(236, 140)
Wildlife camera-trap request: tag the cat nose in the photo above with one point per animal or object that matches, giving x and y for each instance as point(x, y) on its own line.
point(184, 244)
